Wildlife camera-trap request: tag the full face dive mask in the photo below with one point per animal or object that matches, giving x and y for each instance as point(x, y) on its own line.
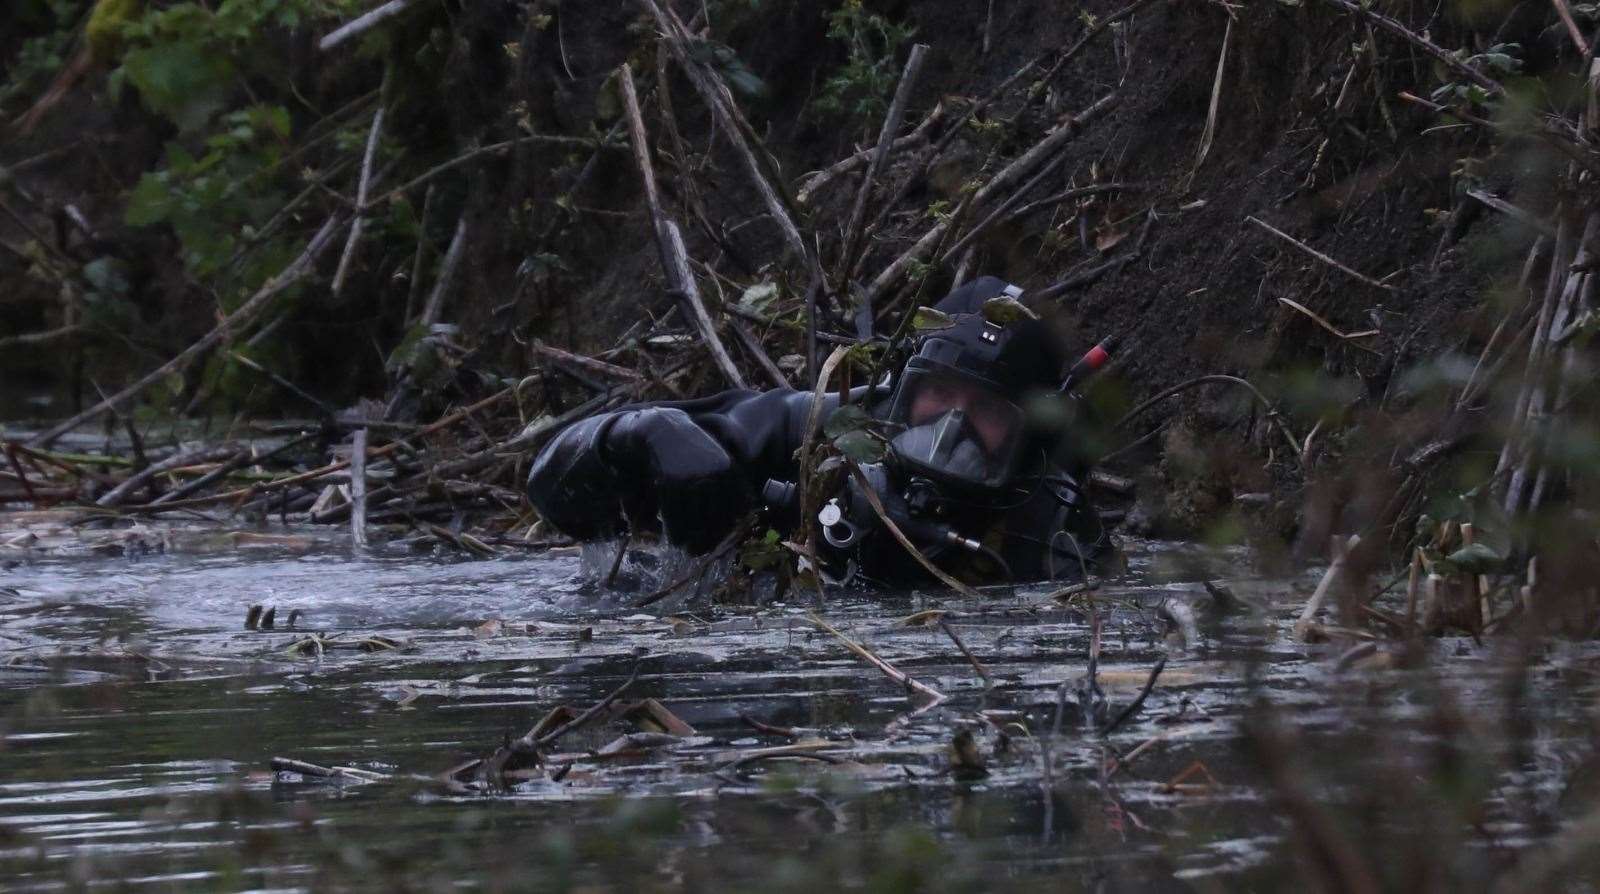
point(954, 412)
point(956, 428)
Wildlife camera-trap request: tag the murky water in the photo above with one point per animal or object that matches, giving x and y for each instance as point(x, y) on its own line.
point(139, 718)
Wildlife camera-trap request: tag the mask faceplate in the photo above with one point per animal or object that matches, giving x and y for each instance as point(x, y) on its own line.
point(955, 428)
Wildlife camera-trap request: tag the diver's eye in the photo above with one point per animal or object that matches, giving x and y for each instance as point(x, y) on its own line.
point(933, 400)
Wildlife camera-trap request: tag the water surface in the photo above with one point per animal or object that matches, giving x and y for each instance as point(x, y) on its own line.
point(140, 718)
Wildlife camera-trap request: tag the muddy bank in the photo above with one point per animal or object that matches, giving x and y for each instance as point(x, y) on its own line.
point(1305, 135)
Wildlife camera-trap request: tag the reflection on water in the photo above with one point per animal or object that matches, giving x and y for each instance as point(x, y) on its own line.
point(139, 718)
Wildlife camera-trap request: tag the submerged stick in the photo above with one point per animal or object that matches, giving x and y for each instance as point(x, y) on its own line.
point(967, 653)
point(358, 489)
point(317, 771)
point(1138, 702)
point(594, 710)
point(1341, 552)
point(870, 657)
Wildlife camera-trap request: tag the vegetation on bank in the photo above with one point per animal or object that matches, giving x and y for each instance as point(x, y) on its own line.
point(429, 226)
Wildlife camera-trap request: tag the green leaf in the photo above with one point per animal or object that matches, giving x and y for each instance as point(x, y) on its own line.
point(273, 118)
point(860, 446)
point(759, 297)
point(846, 419)
point(184, 81)
point(149, 203)
point(1004, 310)
point(1476, 558)
point(608, 99)
point(107, 274)
point(405, 353)
point(927, 318)
point(746, 83)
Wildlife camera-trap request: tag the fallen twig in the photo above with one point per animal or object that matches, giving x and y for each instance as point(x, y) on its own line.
point(815, 182)
point(669, 239)
point(177, 460)
point(1337, 333)
point(1272, 412)
point(434, 308)
point(1216, 100)
point(1362, 277)
point(530, 433)
point(364, 23)
point(34, 339)
point(880, 155)
point(363, 186)
point(601, 367)
point(762, 167)
point(1443, 56)
point(1525, 218)
point(317, 771)
point(1020, 167)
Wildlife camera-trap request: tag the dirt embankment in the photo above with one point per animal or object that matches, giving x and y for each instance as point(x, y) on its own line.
point(1248, 158)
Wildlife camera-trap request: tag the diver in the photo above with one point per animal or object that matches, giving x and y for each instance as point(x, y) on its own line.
point(987, 491)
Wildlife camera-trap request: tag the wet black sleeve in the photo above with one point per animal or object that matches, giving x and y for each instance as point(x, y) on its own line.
point(697, 465)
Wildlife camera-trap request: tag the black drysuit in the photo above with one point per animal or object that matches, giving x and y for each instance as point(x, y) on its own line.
point(699, 465)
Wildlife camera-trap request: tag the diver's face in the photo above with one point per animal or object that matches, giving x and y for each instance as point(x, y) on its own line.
point(991, 417)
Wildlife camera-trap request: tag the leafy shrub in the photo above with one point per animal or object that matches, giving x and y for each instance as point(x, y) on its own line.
point(860, 88)
point(42, 56)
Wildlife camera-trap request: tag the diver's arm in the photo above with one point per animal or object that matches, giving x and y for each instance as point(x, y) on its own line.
point(631, 464)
